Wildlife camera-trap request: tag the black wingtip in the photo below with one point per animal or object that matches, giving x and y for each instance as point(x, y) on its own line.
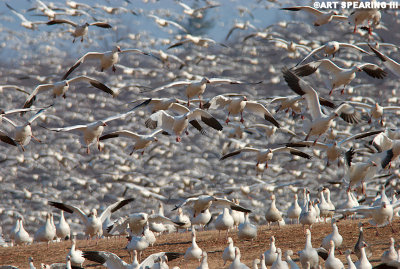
point(61, 206)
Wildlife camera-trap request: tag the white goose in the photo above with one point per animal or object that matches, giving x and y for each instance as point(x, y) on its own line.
point(107, 59)
point(204, 263)
point(391, 64)
point(193, 252)
point(321, 17)
point(340, 76)
point(334, 236)
point(294, 210)
point(196, 40)
point(262, 261)
point(60, 88)
point(350, 263)
point(309, 254)
point(224, 221)
point(22, 236)
point(75, 254)
point(229, 251)
point(141, 141)
point(80, 29)
point(278, 263)
point(273, 214)
point(45, 233)
point(63, 231)
point(308, 216)
point(375, 111)
point(363, 262)
point(270, 254)
point(196, 12)
point(391, 254)
point(93, 224)
point(289, 260)
point(247, 230)
point(332, 262)
point(320, 122)
point(236, 105)
point(137, 243)
point(164, 23)
point(32, 25)
point(182, 218)
point(237, 264)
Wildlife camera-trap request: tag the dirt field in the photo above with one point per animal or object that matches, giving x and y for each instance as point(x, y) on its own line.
point(288, 237)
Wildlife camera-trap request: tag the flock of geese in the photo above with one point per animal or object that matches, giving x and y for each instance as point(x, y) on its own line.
point(224, 96)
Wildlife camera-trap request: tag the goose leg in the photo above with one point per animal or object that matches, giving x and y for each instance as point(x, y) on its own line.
point(87, 150)
point(241, 118)
point(114, 69)
point(355, 29)
point(227, 119)
point(37, 140)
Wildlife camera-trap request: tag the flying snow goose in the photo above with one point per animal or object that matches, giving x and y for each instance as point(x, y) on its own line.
point(193, 252)
point(360, 15)
point(163, 23)
point(320, 122)
point(107, 59)
point(309, 254)
point(167, 57)
point(375, 111)
point(23, 132)
point(197, 88)
point(63, 230)
point(141, 141)
point(332, 262)
point(350, 263)
point(203, 202)
point(290, 46)
point(50, 13)
point(265, 155)
point(331, 48)
point(340, 76)
point(270, 254)
point(196, 12)
point(196, 40)
point(75, 254)
point(24, 22)
point(15, 87)
point(112, 261)
point(176, 125)
point(240, 26)
point(61, 87)
point(80, 29)
point(93, 223)
point(321, 17)
point(229, 251)
point(237, 264)
point(273, 214)
point(391, 64)
point(236, 105)
point(391, 154)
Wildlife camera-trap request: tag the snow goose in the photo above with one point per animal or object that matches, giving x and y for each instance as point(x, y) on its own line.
point(350, 264)
point(229, 251)
point(197, 87)
point(224, 221)
point(273, 214)
point(93, 223)
point(265, 155)
point(390, 254)
point(45, 233)
point(286, 103)
point(262, 261)
point(22, 236)
point(294, 210)
point(290, 46)
point(182, 218)
point(31, 266)
point(256, 262)
point(32, 25)
point(141, 141)
point(196, 40)
point(107, 59)
point(375, 111)
point(240, 26)
point(137, 243)
point(331, 48)
point(61, 87)
point(334, 236)
point(308, 215)
point(247, 230)
point(309, 254)
point(75, 254)
point(167, 57)
point(328, 200)
point(164, 23)
point(236, 105)
point(368, 14)
point(289, 260)
point(321, 17)
point(278, 263)
point(80, 29)
point(156, 104)
point(324, 207)
point(193, 252)
point(363, 262)
point(204, 263)
point(270, 254)
point(320, 122)
point(63, 230)
point(175, 125)
point(149, 235)
point(196, 12)
point(391, 64)
point(203, 202)
point(112, 261)
point(50, 13)
point(332, 262)
point(340, 76)
point(23, 132)
point(237, 264)
point(391, 154)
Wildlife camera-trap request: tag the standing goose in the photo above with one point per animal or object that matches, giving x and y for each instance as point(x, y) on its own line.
point(45, 233)
point(321, 17)
point(332, 262)
point(63, 230)
point(247, 230)
point(60, 88)
point(334, 236)
point(204, 263)
point(137, 243)
point(229, 251)
point(236, 105)
point(107, 59)
point(340, 76)
point(363, 262)
point(75, 254)
point(308, 216)
point(278, 263)
point(360, 242)
point(93, 224)
point(273, 214)
point(224, 221)
point(350, 263)
point(270, 254)
point(293, 212)
point(193, 252)
point(391, 254)
point(289, 260)
point(320, 122)
point(22, 236)
point(309, 254)
point(80, 29)
point(237, 264)
point(176, 125)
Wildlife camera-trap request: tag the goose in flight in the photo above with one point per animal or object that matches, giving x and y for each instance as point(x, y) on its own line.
point(375, 111)
point(196, 40)
point(197, 12)
point(175, 125)
point(141, 141)
point(331, 48)
point(201, 203)
point(22, 133)
point(93, 222)
point(60, 88)
point(15, 87)
point(320, 122)
point(112, 261)
point(240, 26)
point(237, 104)
point(321, 17)
point(290, 46)
point(163, 23)
point(197, 88)
point(391, 64)
point(107, 59)
point(80, 29)
point(51, 14)
point(340, 76)
point(358, 16)
point(265, 155)
point(32, 25)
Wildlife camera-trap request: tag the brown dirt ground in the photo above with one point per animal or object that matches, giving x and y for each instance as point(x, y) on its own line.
point(287, 237)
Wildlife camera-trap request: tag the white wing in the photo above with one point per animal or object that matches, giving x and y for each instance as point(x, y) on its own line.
point(162, 120)
point(71, 209)
point(261, 111)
